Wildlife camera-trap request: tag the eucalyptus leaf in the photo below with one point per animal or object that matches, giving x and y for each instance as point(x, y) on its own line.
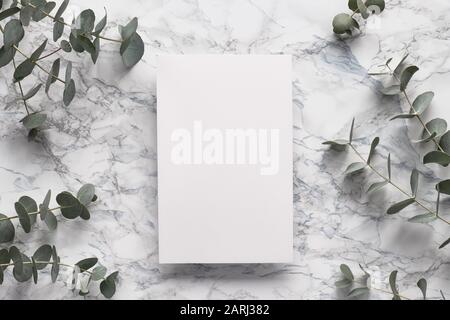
point(75, 43)
point(61, 9)
point(129, 29)
point(30, 206)
point(344, 283)
point(444, 142)
point(377, 186)
point(338, 145)
point(350, 139)
point(389, 166)
point(32, 92)
point(403, 116)
point(42, 254)
point(43, 207)
point(399, 64)
point(42, 11)
point(98, 273)
point(437, 127)
point(24, 218)
point(362, 9)
point(68, 74)
point(94, 55)
point(37, 53)
point(355, 168)
point(54, 73)
point(444, 187)
point(16, 257)
point(132, 50)
point(13, 33)
point(4, 258)
point(414, 182)
point(6, 55)
point(50, 221)
point(445, 243)
point(422, 284)
point(25, 15)
point(69, 92)
point(379, 3)
point(391, 90)
point(86, 264)
point(352, 5)
point(70, 206)
point(23, 70)
point(65, 46)
point(341, 23)
point(34, 120)
point(358, 292)
point(397, 207)
point(26, 272)
point(86, 193)
point(58, 29)
point(427, 139)
point(34, 270)
point(393, 283)
point(85, 21)
point(108, 286)
point(101, 25)
point(55, 265)
point(373, 145)
point(406, 76)
point(438, 157)
point(7, 230)
point(8, 13)
point(422, 102)
point(423, 218)
point(86, 43)
point(347, 272)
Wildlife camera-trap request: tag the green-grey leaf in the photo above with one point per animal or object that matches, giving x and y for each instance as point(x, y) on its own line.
point(377, 186)
point(350, 139)
point(406, 76)
point(43, 207)
point(338, 145)
point(399, 65)
point(438, 157)
point(85, 21)
point(25, 15)
point(7, 230)
point(403, 116)
point(23, 70)
point(358, 292)
point(101, 25)
point(86, 264)
point(446, 242)
point(108, 286)
point(362, 9)
point(397, 207)
point(69, 92)
point(37, 53)
point(422, 284)
point(94, 55)
point(55, 265)
point(13, 33)
point(414, 181)
point(393, 283)
point(42, 254)
point(68, 74)
point(61, 9)
point(65, 45)
point(75, 43)
point(8, 13)
point(342, 23)
point(86, 43)
point(444, 142)
point(26, 272)
point(391, 90)
point(4, 258)
point(50, 220)
point(54, 73)
point(132, 50)
point(86, 193)
point(32, 92)
point(58, 29)
point(423, 218)
point(444, 187)
point(98, 273)
point(422, 102)
point(34, 270)
point(6, 55)
point(344, 283)
point(427, 139)
point(352, 5)
point(389, 166)
point(437, 127)
point(129, 29)
point(347, 272)
point(355, 167)
point(70, 206)
point(372, 148)
point(42, 10)
point(30, 206)
point(34, 120)
point(379, 3)
point(24, 218)
point(16, 257)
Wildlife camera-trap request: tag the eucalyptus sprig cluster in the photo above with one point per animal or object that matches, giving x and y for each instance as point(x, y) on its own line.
point(346, 24)
point(83, 35)
point(27, 210)
point(358, 286)
point(86, 271)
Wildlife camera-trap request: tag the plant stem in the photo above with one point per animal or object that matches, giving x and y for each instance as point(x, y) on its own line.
point(69, 25)
point(31, 214)
point(388, 292)
point(397, 187)
point(48, 55)
point(21, 90)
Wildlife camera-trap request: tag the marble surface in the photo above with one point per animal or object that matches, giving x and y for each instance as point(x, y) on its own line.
point(107, 137)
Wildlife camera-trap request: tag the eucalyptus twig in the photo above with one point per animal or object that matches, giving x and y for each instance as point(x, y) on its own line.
point(50, 54)
point(31, 213)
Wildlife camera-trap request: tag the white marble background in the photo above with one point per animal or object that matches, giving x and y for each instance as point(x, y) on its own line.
point(107, 137)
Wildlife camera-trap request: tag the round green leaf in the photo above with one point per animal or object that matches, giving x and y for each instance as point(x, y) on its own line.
point(444, 187)
point(44, 9)
point(50, 221)
point(422, 102)
point(438, 157)
point(132, 50)
point(352, 5)
point(347, 272)
point(86, 264)
point(85, 21)
point(4, 258)
point(437, 126)
point(7, 230)
point(6, 55)
point(26, 272)
point(75, 43)
point(406, 76)
point(86, 193)
point(24, 218)
point(42, 254)
point(65, 45)
point(70, 206)
point(13, 33)
point(25, 15)
point(108, 286)
point(86, 43)
point(422, 284)
point(30, 206)
point(379, 3)
point(129, 29)
point(444, 142)
point(34, 120)
point(98, 273)
point(342, 23)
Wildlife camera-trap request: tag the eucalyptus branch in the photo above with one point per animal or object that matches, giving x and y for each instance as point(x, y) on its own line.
point(26, 268)
point(27, 209)
point(50, 54)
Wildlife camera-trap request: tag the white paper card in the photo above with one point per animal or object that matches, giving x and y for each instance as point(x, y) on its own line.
point(224, 158)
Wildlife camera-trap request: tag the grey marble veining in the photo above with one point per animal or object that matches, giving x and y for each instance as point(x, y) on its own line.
point(108, 137)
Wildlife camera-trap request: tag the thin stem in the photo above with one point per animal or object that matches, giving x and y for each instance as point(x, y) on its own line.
point(388, 292)
point(21, 90)
point(30, 213)
point(48, 55)
point(69, 25)
point(397, 187)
